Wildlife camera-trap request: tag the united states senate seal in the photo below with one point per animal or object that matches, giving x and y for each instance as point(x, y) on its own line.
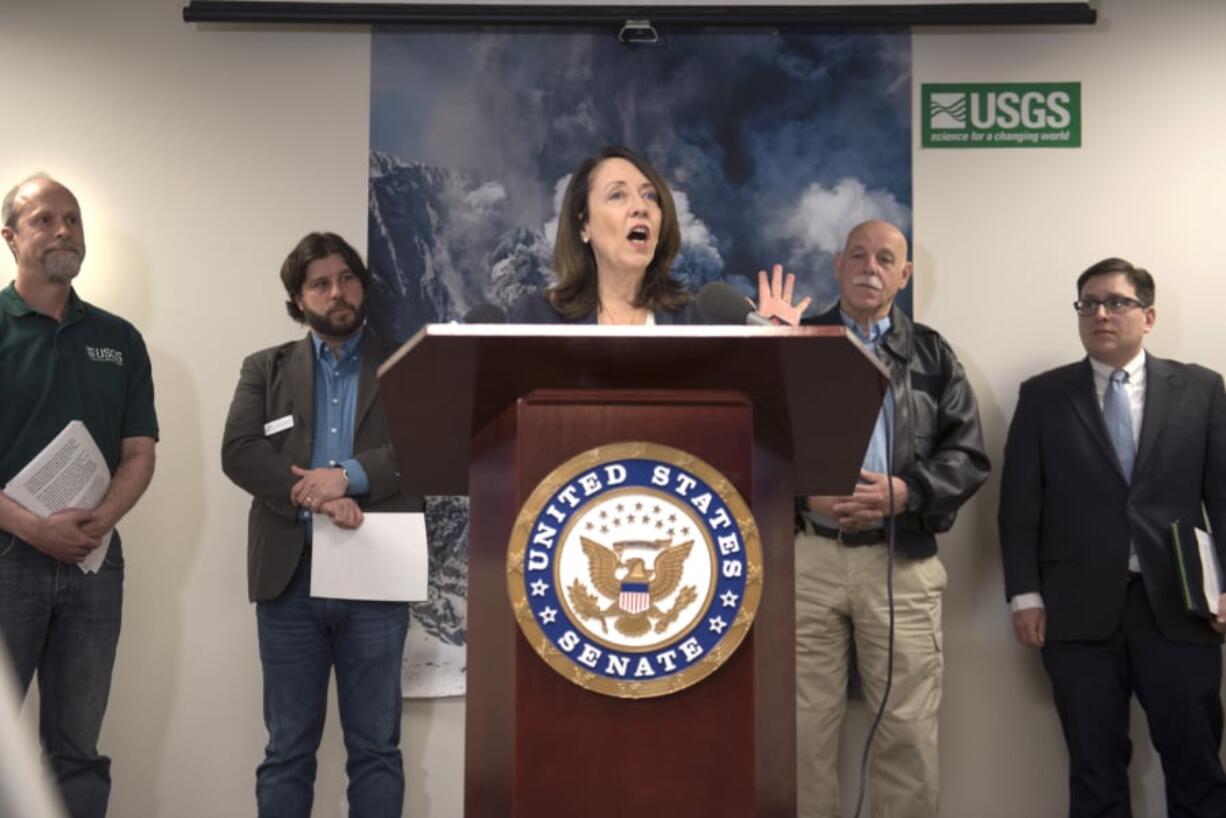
point(635, 569)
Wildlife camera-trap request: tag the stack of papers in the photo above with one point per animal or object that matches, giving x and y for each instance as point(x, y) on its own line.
point(69, 472)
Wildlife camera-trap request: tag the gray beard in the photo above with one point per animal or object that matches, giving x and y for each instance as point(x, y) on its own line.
point(61, 267)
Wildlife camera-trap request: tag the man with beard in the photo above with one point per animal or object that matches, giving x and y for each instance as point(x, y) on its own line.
point(65, 360)
point(306, 433)
point(924, 460)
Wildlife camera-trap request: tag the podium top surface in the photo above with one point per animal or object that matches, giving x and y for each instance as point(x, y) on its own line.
point(819, 386)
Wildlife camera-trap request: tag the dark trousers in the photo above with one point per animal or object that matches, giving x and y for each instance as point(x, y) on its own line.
point(1177, 685)
point(303, 640)
point(64, 625)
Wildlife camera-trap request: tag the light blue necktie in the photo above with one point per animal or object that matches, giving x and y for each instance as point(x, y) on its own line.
point(1117, 412)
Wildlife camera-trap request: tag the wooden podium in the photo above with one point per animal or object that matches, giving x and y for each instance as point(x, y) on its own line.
point(489, 410)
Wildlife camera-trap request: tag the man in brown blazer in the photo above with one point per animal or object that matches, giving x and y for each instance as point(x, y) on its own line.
point(306, 433)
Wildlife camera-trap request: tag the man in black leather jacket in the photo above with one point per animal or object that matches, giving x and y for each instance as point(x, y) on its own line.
point(938, 463)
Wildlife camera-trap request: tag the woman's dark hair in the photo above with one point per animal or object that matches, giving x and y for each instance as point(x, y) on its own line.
point(576, 293)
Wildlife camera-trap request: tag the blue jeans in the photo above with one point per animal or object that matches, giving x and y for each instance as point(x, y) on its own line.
point(301, 641)
point(64, 624)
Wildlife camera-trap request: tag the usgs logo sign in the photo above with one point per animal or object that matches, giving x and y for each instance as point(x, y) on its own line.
point(1017, 115)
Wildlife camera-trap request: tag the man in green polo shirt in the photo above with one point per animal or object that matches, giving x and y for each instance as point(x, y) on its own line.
point(62, 359)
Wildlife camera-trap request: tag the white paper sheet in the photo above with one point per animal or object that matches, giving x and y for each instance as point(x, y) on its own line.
point(1210, 572)
point(70, 472)
point(384, 559)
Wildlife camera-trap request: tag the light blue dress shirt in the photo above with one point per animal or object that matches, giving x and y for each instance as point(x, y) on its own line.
point(336, 400)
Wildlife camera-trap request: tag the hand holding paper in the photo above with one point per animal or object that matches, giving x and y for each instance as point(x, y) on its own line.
point(62, 484)
point(99, 523)
point(67, 535)
point(1219, 624)
point(343, 511)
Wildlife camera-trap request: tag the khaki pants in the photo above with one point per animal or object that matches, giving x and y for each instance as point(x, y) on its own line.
point(841, 596)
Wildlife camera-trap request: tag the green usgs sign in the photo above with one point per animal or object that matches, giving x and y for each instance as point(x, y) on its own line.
point(1001, 115)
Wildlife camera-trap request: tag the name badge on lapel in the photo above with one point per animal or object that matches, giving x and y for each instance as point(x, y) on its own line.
point(278, 425)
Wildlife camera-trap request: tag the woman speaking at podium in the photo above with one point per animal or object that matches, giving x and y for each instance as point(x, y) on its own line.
point(617, 238)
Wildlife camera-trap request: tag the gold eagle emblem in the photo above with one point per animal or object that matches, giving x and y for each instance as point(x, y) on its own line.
point(633, 587)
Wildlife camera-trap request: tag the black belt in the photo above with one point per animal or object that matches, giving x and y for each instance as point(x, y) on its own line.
point(869, 536)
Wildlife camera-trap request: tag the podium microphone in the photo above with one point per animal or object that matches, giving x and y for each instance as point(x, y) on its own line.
point(720, 303)
point(485, 313)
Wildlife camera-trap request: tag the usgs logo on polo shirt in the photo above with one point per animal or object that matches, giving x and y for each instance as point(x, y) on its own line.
point(104, 355)
point(634, 569)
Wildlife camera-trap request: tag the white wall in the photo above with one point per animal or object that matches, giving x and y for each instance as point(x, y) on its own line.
point(201, 153)
point(1001, 236)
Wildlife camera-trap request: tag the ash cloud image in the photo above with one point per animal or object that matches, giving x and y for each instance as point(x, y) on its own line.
point(774, 146)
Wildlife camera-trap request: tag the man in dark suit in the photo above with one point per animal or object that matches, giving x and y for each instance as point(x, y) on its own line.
point(1103, 456)
point(307, 433)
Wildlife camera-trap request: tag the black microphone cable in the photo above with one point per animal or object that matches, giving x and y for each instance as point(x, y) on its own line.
point(889, 590)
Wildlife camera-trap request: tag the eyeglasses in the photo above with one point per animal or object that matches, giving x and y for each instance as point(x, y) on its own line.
point(1116, 305)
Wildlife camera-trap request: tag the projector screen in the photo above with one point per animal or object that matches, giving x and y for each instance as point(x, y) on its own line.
point(696, 3)
point(688, 13)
